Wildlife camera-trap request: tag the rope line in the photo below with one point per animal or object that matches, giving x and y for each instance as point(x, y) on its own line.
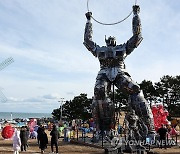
point(114, 23)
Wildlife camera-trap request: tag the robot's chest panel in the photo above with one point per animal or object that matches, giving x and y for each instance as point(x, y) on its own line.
point(111, 53)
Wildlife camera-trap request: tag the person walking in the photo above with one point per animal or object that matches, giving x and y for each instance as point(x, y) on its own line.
point(27, 135)
point(73, 129)
point(43, 140)
point(23, 136)
point(54, 138)
point(16, 142)
point(39, 130)
point(33, 135)
point(162, 134)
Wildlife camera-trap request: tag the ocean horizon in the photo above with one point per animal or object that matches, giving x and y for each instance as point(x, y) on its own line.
point(22, 115)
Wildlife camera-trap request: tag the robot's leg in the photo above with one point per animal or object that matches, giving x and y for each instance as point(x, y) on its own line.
point(142, 108)
point(95, 113)
point(103, 108)
point(103, 113)
point(137, 100)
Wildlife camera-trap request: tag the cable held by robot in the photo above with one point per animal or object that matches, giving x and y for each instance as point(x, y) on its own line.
point(110, 24)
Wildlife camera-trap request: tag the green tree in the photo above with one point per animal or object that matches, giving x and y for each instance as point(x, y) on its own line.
point(168, 89)
point(121, 100)
point(148, 89)
point(56, 114)
point(78, 108)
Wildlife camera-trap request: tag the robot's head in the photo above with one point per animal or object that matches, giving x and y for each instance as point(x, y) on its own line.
point(111, 41)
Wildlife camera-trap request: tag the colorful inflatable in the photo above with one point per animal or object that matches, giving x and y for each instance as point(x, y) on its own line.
point(160, 115)
point(32, 123)
point(7, 132)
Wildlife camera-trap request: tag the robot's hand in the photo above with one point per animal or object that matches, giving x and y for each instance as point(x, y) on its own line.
point(136, 9)
point(88, 15)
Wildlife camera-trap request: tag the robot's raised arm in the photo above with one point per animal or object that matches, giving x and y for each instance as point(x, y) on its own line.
point(89, 44)
point(136, 39)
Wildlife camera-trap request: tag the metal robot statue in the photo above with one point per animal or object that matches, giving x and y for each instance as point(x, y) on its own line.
point(113, 71)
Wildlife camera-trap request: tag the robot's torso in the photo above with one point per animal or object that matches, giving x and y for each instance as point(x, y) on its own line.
point(112, 58)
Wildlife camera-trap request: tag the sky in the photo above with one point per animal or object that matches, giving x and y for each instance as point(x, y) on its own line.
point(45, 39)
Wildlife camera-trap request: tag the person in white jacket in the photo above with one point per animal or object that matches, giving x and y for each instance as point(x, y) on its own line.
point(16, 142)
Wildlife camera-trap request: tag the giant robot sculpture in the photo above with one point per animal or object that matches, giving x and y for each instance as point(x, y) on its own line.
point(113, 71)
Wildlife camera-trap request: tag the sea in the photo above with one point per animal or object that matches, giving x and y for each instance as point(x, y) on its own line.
point(14, 115)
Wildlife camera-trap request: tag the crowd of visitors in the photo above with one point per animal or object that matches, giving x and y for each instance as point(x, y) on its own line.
point(67, 131)
point(21, 136)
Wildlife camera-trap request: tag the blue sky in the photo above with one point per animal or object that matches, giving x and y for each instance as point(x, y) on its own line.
point(50, 62)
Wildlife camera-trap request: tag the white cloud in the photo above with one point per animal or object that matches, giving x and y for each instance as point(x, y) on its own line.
point(52, 96)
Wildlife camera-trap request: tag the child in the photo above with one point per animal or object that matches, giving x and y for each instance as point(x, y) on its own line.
point(16, 142)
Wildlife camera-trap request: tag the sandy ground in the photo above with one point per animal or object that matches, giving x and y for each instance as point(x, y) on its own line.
point(173, 150)
point(69, 148)
point(66, 148)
